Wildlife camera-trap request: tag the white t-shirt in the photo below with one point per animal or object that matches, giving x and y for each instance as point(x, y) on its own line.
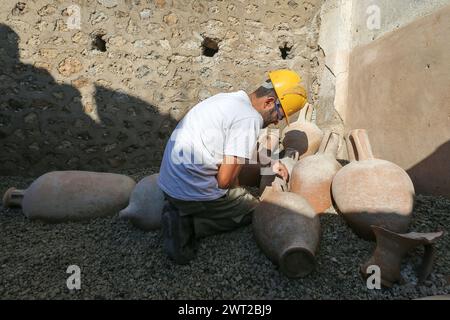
point(225, 124)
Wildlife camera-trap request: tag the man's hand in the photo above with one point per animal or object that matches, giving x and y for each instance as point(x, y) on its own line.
point(280, 169)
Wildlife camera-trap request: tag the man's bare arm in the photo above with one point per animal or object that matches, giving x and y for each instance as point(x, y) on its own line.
point(229, 172)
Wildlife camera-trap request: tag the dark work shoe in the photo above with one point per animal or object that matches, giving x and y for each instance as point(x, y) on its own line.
point(178, 235)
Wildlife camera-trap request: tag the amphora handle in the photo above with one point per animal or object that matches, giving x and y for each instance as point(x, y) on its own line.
point(305, 114)
point(358, 145)
point(330, 143)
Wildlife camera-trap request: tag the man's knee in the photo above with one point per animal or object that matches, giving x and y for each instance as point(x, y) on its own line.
point(205, 226)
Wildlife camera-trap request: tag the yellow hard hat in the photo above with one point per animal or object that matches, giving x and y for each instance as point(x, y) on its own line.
point(288, 87)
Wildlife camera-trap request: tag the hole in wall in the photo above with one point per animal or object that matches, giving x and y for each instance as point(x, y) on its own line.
point(19, 9)
point(98, 43)
point(285, 50)
point(210, 47)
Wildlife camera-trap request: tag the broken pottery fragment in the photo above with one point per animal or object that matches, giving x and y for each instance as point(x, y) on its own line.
point(392, 247)
point(287, 230)
point(371, 191)
point(303, 136)
point(61, 196)
point(312, 176)
point(146, 204)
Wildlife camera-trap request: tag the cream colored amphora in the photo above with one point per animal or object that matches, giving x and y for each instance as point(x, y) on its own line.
point(312, 176)
point(302, 135)
point(146, 204)
point(61, 196)
point(371, 191)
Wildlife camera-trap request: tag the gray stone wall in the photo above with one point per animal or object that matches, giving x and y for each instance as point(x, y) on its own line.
point(106, 96)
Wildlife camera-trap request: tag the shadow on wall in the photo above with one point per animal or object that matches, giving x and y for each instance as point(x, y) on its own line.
point(135, 132)
point(43, 126)
point(432, 175)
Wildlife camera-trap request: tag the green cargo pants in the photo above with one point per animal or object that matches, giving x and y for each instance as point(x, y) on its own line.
point(184, 221)
point(229, 212)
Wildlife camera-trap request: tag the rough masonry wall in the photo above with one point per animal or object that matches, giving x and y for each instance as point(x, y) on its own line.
point(106, 96)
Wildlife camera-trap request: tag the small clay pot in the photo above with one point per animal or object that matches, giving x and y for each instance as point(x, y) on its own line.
point(303, 136)
point(287, 230)
point(312, 176)
point(371, 191)
point(61, 196)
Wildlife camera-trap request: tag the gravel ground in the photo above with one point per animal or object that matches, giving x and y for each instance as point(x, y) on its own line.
point(118, 261)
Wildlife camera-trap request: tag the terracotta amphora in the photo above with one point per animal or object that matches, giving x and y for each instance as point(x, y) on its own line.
point(61, 196)
point(303, 135)
point(287, 230)
point(312, 176)
point(146, 204)
point(371, 191)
